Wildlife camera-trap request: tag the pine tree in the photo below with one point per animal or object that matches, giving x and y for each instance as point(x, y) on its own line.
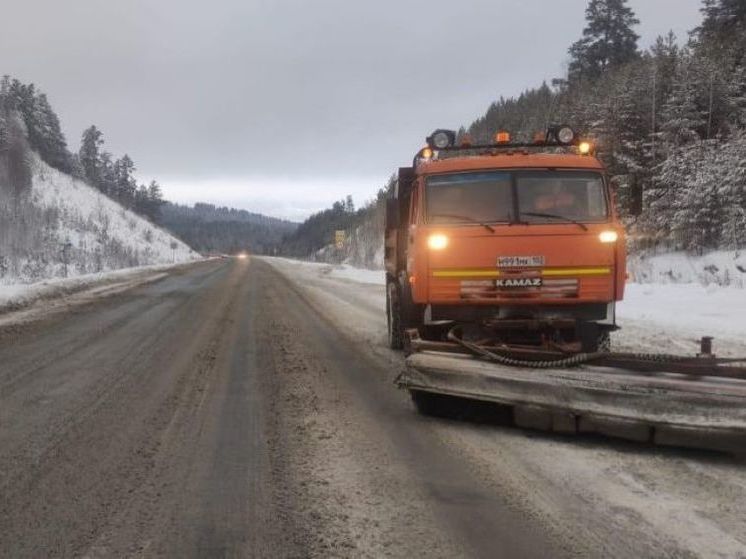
point(89, 156)
point(45, 135)
point(723, 29)
point(108, 178)
point(155, 201)
point(125, 185)
point(682, 119)
point(608, 40)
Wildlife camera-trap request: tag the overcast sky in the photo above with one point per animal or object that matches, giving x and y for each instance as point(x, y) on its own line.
point(283, 106)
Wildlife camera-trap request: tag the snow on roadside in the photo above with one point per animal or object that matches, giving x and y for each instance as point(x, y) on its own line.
point(17, 296)
point(720, 267)
point(711, 310)
point(334, 271)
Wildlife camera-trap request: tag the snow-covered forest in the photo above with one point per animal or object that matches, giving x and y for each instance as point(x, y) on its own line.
point(210, 229)
point(669, 122)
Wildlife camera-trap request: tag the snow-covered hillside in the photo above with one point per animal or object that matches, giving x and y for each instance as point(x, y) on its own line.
point(63, 227)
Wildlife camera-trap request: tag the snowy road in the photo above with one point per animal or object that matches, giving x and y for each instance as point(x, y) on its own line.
point(246, 408)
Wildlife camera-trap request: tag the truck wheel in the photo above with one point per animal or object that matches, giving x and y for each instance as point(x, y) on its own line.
point(603, 345)
point(393, 317)
point(402, 313)
point(595, 338)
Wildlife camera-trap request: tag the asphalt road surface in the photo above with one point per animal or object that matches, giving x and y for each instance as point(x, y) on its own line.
point(223, 412)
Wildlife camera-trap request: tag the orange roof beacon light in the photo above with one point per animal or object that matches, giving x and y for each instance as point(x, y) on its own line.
point(585, 148)
point(426, 153)
point(502, 137)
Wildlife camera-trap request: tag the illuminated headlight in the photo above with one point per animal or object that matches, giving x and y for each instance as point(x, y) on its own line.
point(437, 241)
point(608, 236)
point(441, 139)
point(565, 135)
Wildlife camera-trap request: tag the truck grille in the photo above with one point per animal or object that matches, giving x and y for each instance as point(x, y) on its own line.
point(551, 288)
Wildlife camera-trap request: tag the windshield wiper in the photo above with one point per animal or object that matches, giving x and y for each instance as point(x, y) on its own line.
point(467, 218)
point(557, 216)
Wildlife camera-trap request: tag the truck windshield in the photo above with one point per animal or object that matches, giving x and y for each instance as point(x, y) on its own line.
point(469, 197)
point(570, 195)
point(542, 197)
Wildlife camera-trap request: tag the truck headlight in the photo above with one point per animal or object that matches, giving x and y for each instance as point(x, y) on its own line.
point(437, 241)
point(608, 236)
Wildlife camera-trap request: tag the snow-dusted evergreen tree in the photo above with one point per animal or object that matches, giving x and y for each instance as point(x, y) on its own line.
point(681, 117)
point(722, 33)
point(126, 186)
point(42, 124)
point(732, 191)
point(90, 155)
point(608, 40)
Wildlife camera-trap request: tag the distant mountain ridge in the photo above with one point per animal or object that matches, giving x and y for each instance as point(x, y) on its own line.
point(219, 229)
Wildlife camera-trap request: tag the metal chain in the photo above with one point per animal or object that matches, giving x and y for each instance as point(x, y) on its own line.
point(572, 361)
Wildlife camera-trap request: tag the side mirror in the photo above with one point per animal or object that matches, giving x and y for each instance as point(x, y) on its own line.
point(392, 213)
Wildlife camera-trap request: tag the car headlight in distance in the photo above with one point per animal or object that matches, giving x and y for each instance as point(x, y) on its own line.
point(608, 236)
point(565, 135)
point(437, 241)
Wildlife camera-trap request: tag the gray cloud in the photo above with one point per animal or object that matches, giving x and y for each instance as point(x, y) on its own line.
point(258, 95)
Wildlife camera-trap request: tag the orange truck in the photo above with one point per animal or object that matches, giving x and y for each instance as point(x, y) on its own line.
point(522, 240)
point(504, 263)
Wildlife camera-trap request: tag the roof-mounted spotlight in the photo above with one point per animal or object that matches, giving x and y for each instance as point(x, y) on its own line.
point(563, 134)
point(441, 139)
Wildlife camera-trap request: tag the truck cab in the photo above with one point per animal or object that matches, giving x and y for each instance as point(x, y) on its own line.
point(518, 243)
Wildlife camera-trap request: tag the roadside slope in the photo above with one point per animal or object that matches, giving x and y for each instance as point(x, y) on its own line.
point(61, 227)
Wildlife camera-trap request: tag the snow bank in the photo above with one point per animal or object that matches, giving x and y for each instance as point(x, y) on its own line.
point(15, 296)
point(725, 268)
point(334, 271)
point(712, 310)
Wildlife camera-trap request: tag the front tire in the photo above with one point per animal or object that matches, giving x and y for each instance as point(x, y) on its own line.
point(603, 344)
point(393, 317)
point(401, 313)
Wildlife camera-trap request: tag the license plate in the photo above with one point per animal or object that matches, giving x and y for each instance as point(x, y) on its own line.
point(520, 261)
